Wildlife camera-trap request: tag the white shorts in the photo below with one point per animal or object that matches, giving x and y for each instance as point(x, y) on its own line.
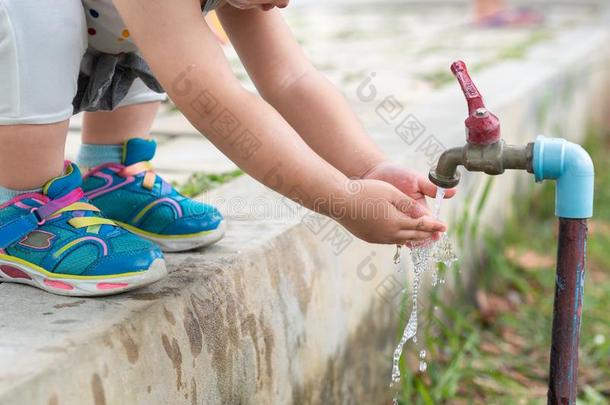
point(42, 43)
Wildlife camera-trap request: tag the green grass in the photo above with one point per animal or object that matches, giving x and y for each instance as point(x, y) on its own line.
point(201, 182)
point(491, 345)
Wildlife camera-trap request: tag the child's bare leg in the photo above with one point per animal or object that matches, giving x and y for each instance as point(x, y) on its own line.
point(104, 133)
point(31, 154)
point(114, 128)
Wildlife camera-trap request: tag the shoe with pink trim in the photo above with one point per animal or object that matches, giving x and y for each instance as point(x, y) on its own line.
point(139, 200)
point(57, 241)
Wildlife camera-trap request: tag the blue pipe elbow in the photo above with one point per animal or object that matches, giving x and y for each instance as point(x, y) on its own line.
point(572, 168)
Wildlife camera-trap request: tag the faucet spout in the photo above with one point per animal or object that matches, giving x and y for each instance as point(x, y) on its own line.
point(492, 159)
point(445, 174)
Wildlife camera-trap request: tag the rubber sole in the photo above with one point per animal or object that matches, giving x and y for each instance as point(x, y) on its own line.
point(179, 243)
point(19, 271)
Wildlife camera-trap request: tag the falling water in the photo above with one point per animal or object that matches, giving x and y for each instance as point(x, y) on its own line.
point(423, 366)
point(440, 252)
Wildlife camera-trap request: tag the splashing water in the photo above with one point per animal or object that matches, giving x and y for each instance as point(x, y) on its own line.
point(423, 366)
point(440, 252)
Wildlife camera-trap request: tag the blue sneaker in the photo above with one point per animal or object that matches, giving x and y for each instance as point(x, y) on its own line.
point(136, 198)
point(57, 241)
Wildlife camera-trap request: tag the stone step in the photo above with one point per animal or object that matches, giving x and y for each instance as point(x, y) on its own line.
point(270, 315)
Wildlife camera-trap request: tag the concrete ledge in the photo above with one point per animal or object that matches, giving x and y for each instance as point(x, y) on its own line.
point(271, 315)
point(286, 309)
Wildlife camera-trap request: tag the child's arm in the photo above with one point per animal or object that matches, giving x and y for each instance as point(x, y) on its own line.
point(185, 57)
point(310, 103)
point(305, 98)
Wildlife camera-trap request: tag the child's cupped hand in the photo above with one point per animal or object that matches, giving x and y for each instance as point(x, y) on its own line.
point(377, 212)
point(412, 183)
point(262, 4)
point(401, 197)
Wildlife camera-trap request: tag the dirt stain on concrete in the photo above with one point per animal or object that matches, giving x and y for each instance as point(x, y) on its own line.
point(225, 326)
point(249, 326)
point(353, 375)
point(193, 392)
point(64, 321)
point(107, 341)
point(99, 397)
point(145, 296)
point(175, 355)
point(269, 342)
point(154, 295)
point(130, 346)
point(69, 304)
point(193, 331)
point(220, 333)
point(292, 271)
point(168, 315)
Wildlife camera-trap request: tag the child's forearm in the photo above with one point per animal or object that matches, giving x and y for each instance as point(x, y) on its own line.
point(310, 103)
point(263, 144)
point(324, 119)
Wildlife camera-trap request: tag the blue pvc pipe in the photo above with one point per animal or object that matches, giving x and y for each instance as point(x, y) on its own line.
point(571, 166)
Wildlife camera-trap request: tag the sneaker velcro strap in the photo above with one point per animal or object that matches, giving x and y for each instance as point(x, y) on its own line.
point(53, 206)
point(16, 229)
point(19, 227)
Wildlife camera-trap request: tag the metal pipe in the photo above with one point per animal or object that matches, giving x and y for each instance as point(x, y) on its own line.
point(492, 159)
point(569, 288)
point(518, 157)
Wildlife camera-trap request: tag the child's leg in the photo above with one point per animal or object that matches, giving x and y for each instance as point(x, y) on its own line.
point(116, 127)
point(50, 236)
point(30, 155)
point(104, 133)
point(40, 51)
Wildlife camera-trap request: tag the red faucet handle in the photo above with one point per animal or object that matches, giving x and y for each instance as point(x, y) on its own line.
point(482, 126)
point(473, 97)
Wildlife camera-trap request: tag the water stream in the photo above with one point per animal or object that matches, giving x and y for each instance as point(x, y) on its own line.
point(421, 257)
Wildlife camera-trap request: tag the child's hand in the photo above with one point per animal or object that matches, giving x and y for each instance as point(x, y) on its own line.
point(262, 4)
point(409, 182)
point(378, 212)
